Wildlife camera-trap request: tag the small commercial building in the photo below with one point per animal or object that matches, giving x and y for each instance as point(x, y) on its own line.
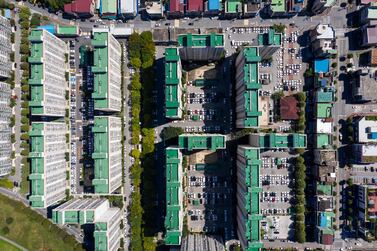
point(80, 8)
point(106, 70)
point(289, 108)
point(323, 40)
point(363, 84)
point(48, 67)
point(213, 7)
point(107, 154)
point(48, 164)
point(194, 7)
point(128, 8)
point(368, 35)
point(108, 9)
point(176, 9)
point(97, 212)
point(320, 6)
point(154, 9)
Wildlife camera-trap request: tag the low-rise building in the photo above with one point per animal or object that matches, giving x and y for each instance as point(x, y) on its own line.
point(325, 165)
point(107, 154)
point(48, 164)
point(80, 8)
point(213, 7)
point(176, 9)
point(321, 6)
point(323, 40)
point(194, 7)
point(5, 130)
point(233, 8)
point(108, 9)
point(97, 212)
point(128, 8)
point(154, 9)
point(363, 86)
point(251, 8)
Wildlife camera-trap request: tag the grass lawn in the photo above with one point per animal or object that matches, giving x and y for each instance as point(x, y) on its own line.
point(6, 183)
point(24, 186)
point(31, 230)
point(7, 246)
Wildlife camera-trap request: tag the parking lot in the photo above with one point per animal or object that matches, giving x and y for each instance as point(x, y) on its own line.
point(207, 99)
point(275, 199)
point(209, 193)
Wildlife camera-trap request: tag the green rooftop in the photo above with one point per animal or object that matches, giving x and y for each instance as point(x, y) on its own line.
point(172, 83)
point(109, 6)
point(324, 189)
point(274, 140)
point(251, 166)
point(324, 110)
point(323, 140)
point(201, 40)
point(67, 30)
point(250, 78)
point(201, 141)
point(173, 202)
point(278, 6)
point(325, 96)
point(270, 38)
point(233, 6)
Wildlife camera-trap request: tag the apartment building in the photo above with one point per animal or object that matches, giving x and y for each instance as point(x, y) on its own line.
point(48, 67)
point(106, 220)
point(173, 84)
point(107, 72)
point(48, 163)
point(107, 154)
point(247, 86)
point(248, 193)
point(5, 47)
point(5, 130)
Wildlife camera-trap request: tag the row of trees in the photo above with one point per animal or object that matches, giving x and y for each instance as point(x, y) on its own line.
point(301, 98)
point(141, 53)
point(24, 21)
point(300, 184)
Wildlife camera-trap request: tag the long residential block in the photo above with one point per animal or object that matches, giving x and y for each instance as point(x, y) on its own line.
point(5, 47)
point(248, 194)
point(107, 72)
point(47, 74)
point(173, 85)
point(174, 197)
point(107, 154)
point(5, 130)
point(247, 86)
point(48, 163)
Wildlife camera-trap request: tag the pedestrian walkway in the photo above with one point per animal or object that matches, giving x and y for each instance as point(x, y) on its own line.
point(13, 243)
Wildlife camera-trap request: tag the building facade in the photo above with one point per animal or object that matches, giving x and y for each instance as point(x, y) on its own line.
point(107, 72)
point(107, 154)
point(48, 67)
point(5, 130)
point(5, 47)
point(48, 163)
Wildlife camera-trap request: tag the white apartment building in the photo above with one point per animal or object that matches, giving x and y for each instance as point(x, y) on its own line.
point(5, 130)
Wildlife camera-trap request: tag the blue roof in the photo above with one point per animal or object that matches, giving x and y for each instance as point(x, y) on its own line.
point(7, 14)
point(322, 220)
point(50, 28)
point(213, 4)
point(321, 65)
